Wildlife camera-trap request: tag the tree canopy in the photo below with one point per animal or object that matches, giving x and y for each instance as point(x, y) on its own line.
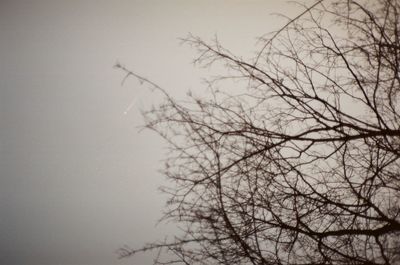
point(293, 156)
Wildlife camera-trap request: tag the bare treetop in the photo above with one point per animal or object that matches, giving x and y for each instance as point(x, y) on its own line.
point(293, 156)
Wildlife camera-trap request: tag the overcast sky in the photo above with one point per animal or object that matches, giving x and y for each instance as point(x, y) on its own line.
point(77, 179)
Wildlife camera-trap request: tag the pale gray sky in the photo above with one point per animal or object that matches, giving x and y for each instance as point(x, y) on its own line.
point(77, 179)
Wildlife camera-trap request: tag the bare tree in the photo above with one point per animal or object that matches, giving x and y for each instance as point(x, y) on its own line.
point(293, 157)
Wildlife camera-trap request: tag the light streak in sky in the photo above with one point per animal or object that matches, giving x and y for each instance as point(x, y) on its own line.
point(130, 106)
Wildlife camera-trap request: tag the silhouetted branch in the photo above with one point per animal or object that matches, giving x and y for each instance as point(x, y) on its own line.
point(297, 162)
